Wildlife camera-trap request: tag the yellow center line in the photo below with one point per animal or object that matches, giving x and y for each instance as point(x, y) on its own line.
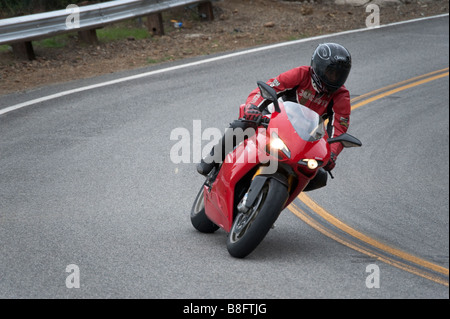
point(379, 96)
point(349, 230)
point(310, 221)
point(355, 99)
point(391, 89)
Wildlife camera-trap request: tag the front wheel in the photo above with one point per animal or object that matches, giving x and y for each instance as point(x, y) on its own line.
point(199, 219)
point(250, 228)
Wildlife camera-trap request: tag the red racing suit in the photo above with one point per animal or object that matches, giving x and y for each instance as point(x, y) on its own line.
point(296, 85)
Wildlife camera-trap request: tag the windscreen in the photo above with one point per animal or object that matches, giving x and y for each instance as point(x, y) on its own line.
point(307, 123)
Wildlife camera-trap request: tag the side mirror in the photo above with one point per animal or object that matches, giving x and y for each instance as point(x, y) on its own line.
point(347, 140)
point(269, 93)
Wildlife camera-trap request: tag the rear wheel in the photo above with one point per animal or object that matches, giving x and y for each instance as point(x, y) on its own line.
point(250, 228)
point(199, 219)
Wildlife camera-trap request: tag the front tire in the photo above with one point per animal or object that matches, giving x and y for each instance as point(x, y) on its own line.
point(199, 219)
point(250, 228)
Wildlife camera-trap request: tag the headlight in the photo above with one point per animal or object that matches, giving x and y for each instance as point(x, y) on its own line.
point(278, 144)
point(310, 163)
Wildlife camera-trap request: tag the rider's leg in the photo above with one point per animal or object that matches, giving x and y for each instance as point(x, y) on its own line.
point(320, 180)
point(226, 144)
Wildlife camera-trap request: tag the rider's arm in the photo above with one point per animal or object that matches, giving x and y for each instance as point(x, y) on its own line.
point(339, 120)
point(284, 82)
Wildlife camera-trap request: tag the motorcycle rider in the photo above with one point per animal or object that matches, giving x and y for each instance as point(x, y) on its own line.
point(319, 87)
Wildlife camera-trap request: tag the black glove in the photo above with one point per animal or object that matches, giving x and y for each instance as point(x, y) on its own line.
point(331, 163)
point(252, 113)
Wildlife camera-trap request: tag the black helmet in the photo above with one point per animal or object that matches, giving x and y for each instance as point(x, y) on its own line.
point(330, 66)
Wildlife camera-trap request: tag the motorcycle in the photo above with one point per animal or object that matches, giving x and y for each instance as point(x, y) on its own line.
point(246, 193)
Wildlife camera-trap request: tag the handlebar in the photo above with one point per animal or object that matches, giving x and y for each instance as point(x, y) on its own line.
point(264, 121)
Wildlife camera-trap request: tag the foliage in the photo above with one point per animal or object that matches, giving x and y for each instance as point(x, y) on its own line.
point(12, 8)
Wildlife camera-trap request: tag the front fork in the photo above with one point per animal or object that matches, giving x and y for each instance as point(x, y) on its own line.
point(259, 180)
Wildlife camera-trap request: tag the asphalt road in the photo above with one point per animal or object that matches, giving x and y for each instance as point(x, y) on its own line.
point(87, 179)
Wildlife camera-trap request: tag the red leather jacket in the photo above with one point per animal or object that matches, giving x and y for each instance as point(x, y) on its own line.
point(296, 85)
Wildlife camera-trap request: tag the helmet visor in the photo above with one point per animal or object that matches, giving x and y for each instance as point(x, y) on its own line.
point(334, 77)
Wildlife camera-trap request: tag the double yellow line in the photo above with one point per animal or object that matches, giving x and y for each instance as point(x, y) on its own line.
point(397, 87)
point(318, 218)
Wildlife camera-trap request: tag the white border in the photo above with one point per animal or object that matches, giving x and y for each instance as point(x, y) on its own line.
point(223, 57)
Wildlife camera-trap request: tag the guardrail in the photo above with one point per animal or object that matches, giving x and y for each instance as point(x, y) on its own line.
point(19, 32)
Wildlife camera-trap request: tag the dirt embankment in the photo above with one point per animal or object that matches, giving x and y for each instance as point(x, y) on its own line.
point(238, 24)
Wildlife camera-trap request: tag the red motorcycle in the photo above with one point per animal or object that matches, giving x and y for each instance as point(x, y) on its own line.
point(264, 174)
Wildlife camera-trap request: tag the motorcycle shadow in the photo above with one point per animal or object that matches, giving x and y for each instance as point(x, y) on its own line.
point(279, 244)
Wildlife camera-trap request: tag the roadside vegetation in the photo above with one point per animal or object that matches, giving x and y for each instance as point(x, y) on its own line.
point(14, 8)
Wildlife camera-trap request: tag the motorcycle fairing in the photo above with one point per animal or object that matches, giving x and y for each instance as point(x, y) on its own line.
point(219, 199)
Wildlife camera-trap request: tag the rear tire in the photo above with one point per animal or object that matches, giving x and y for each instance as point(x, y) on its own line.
point(199, 219)
point(250, 228)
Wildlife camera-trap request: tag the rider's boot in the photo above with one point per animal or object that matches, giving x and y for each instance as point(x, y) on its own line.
point(204, 167)
point(226, 144)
